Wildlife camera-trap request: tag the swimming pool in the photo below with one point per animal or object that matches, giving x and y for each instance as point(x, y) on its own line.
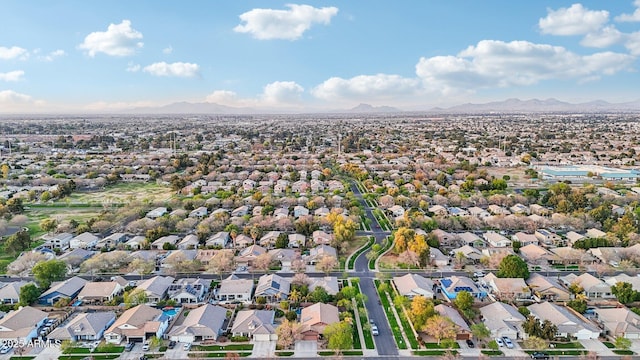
point(171, 312)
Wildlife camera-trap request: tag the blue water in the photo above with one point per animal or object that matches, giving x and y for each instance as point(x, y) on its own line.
point(170, 312)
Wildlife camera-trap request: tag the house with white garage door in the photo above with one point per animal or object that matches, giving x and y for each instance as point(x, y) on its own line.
point(203, 323)
point(619, 322)
point(255, 324)
point(568, 323)
point(503, 320)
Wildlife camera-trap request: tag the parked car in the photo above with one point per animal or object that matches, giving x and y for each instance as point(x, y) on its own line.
point(478, 274)
point(507, 342)
point(172, 344)
point(374, 330)
point(540, 356)
point(146, 346)
point(5, 349)
point(129, 346)
point(499, 342)
point(470, 343)
point(186, 346)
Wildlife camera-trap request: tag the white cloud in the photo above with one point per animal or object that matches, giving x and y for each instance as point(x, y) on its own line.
point(12, 75)
point(494, 63)
point(267, 24)
point(226, 97)
point(118, 40)
point(282, 92)
point(12, 52)
point(631, 17)
point(167, 50)
point(575, 20)
point(52, 55)
point(11, 101)
point(177, 69)
point(366, 87)
point(131, 67)
point(633, 43)
point(605, 37)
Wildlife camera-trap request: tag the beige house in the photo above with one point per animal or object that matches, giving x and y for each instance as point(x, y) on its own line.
point(137, 325)
point(411, 285)
point(99, 292)
point(255, 324)
point(547, 288)
point(315, 318)
point(619, 322)
point(21, 325)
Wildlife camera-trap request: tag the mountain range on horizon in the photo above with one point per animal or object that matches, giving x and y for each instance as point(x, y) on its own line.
point(505, 106)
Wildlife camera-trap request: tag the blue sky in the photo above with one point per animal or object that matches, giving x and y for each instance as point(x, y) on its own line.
point(313, 56)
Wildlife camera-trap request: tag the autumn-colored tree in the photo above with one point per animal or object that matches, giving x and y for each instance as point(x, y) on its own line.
point(326, 264)
point(421, 309)
point(401, 239)
point(440, 328)
point(263, 261)
point(535, 343)
point(288, 332)
point(221, 262)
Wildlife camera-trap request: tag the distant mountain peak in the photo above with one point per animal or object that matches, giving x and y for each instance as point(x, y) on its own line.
point(369, 108)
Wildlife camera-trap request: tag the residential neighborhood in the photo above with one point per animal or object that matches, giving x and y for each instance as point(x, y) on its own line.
point(267, 237)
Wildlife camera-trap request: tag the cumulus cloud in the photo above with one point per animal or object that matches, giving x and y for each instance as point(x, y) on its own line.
point(225, 97)
point(52, 55)
point(282, 92)
point(631, 17)
point(493, 63)
point(633, 43)
point(11, 101)
point(167, 50)
point(12, 52)
point(575, 20)
point(131, 67)
point(119, 40)
point(12, 75)
point(267, 24)
point(366, 87)
point(605, 37)
point(176, 69)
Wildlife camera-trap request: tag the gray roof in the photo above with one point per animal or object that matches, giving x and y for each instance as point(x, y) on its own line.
point(11, 290)
point(254, 321)
point(83, 325)
point(157, 285)
point(234, 285)
point(207, 320)
point(271, 285)
point(498, 316)
point(67, 288)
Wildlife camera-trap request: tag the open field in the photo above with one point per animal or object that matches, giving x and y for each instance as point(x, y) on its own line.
point(122, 193)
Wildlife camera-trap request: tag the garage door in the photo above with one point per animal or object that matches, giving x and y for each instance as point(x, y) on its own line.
point(261, 337)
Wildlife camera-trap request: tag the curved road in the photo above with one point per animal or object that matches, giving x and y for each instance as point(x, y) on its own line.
point(385, 343)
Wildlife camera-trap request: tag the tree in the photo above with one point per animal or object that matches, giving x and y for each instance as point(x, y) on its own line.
point(29, 293)
point(535, 343)
point(464, 300)
point(135, 297)
point(141, 266)
point(624, 292)
point(48, 224)
point(440, 328)
point(319, 294)
point(326, 264)
point(222, 262)
point(49, 271)
point(513, 266)
point(263, 261)
point(578, 304)
point(339, 336)
point(480, 331)
point(287, 332)
point(18, 242)
point(622, 343)
point(421, 309)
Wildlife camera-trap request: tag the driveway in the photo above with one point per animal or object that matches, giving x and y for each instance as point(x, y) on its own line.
point(306, 348)
point(596, 346)
point(263, 349)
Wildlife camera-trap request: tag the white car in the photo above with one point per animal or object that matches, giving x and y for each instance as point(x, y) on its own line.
point(146, 346)
point(499, 342)
point(5, 349)
point(478, 274)
point(507, 342)
point(186, 346)
point(374, 330)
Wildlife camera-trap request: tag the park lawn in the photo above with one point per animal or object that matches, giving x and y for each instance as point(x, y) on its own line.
point(122, 193)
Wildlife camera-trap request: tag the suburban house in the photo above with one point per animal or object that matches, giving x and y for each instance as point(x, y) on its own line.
point(233, 289)
point(619, 322)
point(255, 324)
point(548, 237)
point(249, 254)
point(188, 290)
point(296, 240)
point(203, 323)
point(463, 332)
point(299, 211)
point(573, 236)
point(86, 240)
point(284, 256)
point(567, 256)
point(159, 243)
point(329, 283)
point(75, 257)
point(220, 239)
point(524, 239)
point(84, 327)
point(318, 252)
point(594, 233)
point(272, 287)
point(547, 288)
point(411, 285)
point(188, 242)
point(199, 212)
point(242, 241)
point(321, 237)
point(156, 287)
point(593, 287)
point(496, 240)
point(268, 240)
point(21, 325)
point(240, 211)
point(136, 242)
point(612, 280)
point(60, 241)
point(67, 289)
point(156, 213)
point(10, 291)
point(438, 258)
point(508, 288)
point(470, 255)
point(568, 323)
point(503, 320)
point(536, 254)
point(314, 318)
point(478, 212)
point(137, 325)
point(453, 285)
point(445, 238)
point(99, 292)
point(471, 239)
